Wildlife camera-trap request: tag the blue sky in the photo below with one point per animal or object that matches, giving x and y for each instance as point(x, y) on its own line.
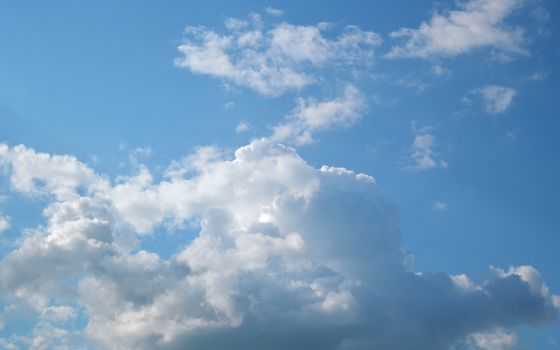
point(450, 106)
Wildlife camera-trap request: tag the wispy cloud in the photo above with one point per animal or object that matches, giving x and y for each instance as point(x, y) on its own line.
point(496, 99)
point(422, 154)
point(439, 206)
point(274, 11)
point(242, 127)
point(440, 71)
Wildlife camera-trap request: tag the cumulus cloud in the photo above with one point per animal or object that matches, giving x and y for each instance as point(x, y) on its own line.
point(287, 256)
point(273, 59)
point(475, 25)
point(42, 174)
point(311, 115)
point(497, 99)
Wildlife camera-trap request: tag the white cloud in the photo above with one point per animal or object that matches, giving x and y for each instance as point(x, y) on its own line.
point(495, 340)
point(4, 223)
point(274, 12)
point(312, 115)
point(40, 173)
point(273, 60)
point(242, 127)
point(288, 256)
point(497, 99)
point(422, 154)
point(440, 71)
point(476, 24)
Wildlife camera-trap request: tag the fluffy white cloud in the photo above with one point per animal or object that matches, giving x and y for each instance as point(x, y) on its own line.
point(497, 99)
point(273, 60)
point(288, 256)
point(476, 24)
point(311, 116)
point(39, 173)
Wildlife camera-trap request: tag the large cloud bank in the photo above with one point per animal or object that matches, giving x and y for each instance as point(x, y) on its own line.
point(287, 257)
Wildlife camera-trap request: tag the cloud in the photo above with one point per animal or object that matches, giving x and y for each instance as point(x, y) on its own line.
point(4, 223)
point(42, 174)
point(287, 256)
point(440, 71)
point(439, 206)
point(495, 340)
point(538, 76)
point(242, 127)
point(422, 155)
point(275, 59)
point(274, 12)
point(475, 25)
point(311, 115)
point(497, 99)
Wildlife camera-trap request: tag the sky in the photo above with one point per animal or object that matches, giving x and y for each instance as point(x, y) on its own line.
point(279, 175)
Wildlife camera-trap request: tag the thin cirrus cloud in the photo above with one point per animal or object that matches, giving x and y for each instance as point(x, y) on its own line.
point(273, 59)
point(475, 25)
point(268, 268)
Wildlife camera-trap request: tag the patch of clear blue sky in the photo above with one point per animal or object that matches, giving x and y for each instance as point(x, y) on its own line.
point(84, 77)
